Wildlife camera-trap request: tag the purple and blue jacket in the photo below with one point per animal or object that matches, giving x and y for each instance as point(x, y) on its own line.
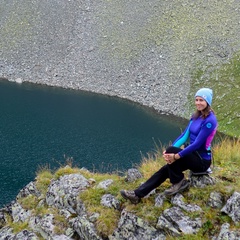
point(200, 132)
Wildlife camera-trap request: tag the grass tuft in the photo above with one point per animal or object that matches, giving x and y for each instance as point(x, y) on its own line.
point(44, 177)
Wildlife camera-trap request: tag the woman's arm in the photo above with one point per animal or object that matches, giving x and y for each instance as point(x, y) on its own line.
point(206, 130)
point(183, 137)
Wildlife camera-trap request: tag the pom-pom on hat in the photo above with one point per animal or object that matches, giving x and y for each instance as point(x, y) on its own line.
point(206, 94)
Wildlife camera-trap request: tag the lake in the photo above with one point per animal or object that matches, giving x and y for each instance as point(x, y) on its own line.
point(44, 126)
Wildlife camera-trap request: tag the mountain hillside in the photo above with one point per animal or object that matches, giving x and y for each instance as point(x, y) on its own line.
point(153, 52)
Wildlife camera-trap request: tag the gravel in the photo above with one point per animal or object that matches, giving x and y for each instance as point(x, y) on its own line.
point(144, 51)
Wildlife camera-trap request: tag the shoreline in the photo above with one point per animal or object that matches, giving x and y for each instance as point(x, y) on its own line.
point(148, 108)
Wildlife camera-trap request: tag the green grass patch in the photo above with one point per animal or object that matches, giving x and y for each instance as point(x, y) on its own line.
point(19, 226)
point(30, 202)
point(225, 82)
point(44, 177)
point(67, 170)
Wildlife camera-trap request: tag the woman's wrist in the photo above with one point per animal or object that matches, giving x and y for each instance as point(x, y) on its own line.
point(176, 156)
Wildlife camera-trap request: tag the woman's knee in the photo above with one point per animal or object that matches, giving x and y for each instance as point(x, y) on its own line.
point(172, 149)
point(162, 172)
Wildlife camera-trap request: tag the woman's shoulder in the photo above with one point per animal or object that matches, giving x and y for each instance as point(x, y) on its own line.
point(212, 115)
point(211, 118)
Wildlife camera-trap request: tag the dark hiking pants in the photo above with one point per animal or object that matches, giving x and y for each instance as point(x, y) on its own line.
point(173, 171)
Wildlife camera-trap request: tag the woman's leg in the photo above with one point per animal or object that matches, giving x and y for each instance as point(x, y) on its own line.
point(157, 178)
point(153, 182)
point(192, 162)
point(172, 171)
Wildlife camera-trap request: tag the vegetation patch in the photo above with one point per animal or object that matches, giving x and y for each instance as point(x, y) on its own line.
point(225, 82)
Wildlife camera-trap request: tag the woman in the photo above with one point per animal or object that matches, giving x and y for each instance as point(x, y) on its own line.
point(195, 157)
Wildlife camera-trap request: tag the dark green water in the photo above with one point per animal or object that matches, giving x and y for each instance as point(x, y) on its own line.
point(44, 125)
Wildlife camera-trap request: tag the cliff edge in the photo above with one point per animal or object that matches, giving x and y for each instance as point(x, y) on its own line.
point(78, 205)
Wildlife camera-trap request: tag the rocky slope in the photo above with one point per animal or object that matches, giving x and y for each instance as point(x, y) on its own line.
point(145, 51)
point(63, 201)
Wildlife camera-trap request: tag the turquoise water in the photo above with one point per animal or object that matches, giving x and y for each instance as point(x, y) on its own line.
point(43, 126)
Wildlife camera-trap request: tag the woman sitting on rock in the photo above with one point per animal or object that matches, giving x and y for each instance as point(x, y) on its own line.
point(195, 157)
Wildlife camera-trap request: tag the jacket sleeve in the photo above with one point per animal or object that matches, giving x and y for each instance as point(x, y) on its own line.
point(183, 137)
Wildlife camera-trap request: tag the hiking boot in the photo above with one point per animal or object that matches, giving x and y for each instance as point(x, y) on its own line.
point(130, 195)
point(178, 187)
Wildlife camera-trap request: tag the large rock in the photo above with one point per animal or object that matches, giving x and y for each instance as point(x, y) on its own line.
point(6, 233)
point(63, 193)
point(216, 200)
point(227, 234)
point(178, 200)
point(105, 184)
point(2, 218)
point(25, 235)
point(201, 181)
point(108, 200)
point(132, 175)
point(174, 221)
point(132, 227)
point(43, 225)
point(29, 189)
point(159, 200)
point(20, 214)
point(84, 228)
point(232, 207)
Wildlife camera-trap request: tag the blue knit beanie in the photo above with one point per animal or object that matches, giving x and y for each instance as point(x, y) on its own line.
point(206, 94)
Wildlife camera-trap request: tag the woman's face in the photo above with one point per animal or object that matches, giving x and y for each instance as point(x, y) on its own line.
point(200, 103)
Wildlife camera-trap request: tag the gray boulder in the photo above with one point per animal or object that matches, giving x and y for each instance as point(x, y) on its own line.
point(105, 184)
point(2, 218)
point(84, 228)
point(63, 193)
point(132, 175)
point(43, 225)
point(25, 235)
point(20, 214)
point(232, 207)
point(4, 213)
point(29, 189)
point(201, 181)
point(132, 227)
point(227, 234)
point(178, 200)
point(159, 200)
point(61, 237)
point(173, 221)
point(216, 200)
point(108, 200)
point(6, 233)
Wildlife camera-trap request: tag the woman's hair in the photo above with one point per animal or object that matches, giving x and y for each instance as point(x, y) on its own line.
point(203, 113)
